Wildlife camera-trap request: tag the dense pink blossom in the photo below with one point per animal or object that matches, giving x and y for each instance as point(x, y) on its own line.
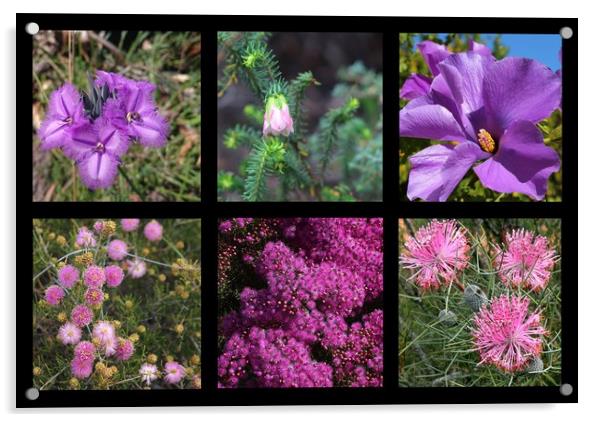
point(148, 372)
point(136, 268)
point(94, 276)
point(174, 372)
point(507, 334)
point(114, 275)
point(436, 254)
point(69, 333)
point(81, 315)
point(525, 260)
point(124, 350)
point(81, 368)
point(153, 231)
point(85, 238)
point(98, 226)
point(104, 331)
point(313, 285)
point(84, 350)
point(68, 276)
point(93, 296)
point(129, 224)
point(117, 249)
point(54, 295)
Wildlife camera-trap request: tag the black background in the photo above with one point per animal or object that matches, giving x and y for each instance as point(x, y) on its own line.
point(209, 210)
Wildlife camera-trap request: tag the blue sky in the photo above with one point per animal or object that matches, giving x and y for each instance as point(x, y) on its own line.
point(541, 47)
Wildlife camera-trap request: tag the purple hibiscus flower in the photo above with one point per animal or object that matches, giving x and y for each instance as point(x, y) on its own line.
point(418, 85)
point(65, 111)
point(136, 115)
point(97, 149)
point(487, 109)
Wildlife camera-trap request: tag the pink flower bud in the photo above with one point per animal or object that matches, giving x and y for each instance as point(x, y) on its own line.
point(277, 119)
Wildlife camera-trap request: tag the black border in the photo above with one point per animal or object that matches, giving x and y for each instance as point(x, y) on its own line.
point(209, 209)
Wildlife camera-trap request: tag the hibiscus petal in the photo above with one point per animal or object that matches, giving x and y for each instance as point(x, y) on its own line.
point(478, 48)
point(522, 164)
point(437, 170)
point(98, 171)
point(519, 89)
point(433, 54)
point(429, 121)
point(415, 86)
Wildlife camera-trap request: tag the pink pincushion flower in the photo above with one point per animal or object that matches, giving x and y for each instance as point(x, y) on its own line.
point(94, 296)
point(174, 372)
point(104, 331)
point(68, 276)
point(54, 295)
point(94, 276)
point(124, 350)
point(69, 333)
point(81, 368)
point(149, 373)
point(98, 226)
point(129, 224)
point(525, 260)
point(117, 249)
point(437, 253)
point(153, 231)
point(85, 238)
point(277, 118)
point(136, 268)
point(110, 346)
point(114, 275)
point(81, 315)
point(507, 335)
point(84, 351)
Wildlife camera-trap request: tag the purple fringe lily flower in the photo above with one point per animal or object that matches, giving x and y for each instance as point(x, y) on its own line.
point(486, 110)
point(65, 111)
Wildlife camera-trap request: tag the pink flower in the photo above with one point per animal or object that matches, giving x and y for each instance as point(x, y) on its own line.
point(149, 373)
point(94, 276)
point(98, 226)
point(507, 335)
point(129, 224)
point(68, 276)
point(94, 296)
point(174, 372)
point(81, 315)
point(525, 260)
point(114, 275)
point(54, 295)
point(125, 349)
point(117, 249)
point(85, 238)
point(153, 231)
point(277, 118)
point(110, 346)
point(69, 333)
point(437, 253)
point(103, 331)
point(136, 268)
point(84, 351)
point(81, 368)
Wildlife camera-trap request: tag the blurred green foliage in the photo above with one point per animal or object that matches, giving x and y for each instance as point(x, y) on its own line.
point(470, 188)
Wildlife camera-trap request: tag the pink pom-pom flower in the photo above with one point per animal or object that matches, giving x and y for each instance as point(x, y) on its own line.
point(84, 351)
point(149, 373)
point(69, 333)
point(68, 276)
point(125, 349)
point(153, 231)
point(94, 276)
point(85, 238)
point(525, 260)
point(117, 249)
point(94, 296)
point(507, 335)
point(136, 268)
point(436, 254)
point(54, 295)
point(81, 368)
point(104, 331)
point(81, 315)
point(174, 372)
point(114, 275)
point(129, 224)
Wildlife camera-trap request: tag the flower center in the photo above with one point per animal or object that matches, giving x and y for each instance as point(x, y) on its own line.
point(486, 141)
point(68, 120)
point(100, 147)
point(131, 116)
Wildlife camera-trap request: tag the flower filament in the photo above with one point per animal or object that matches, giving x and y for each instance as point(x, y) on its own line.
point(131, 116)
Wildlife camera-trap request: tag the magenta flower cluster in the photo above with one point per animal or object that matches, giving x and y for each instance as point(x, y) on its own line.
point(505, 333)
point(96, 129)
point(311, 313)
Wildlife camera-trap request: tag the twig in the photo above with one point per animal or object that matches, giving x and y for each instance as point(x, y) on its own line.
point(119, 56)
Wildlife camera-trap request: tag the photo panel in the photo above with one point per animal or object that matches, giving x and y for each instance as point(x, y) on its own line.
point(480, 117)
point(116, 116)
point(116, 304)
point(300, 116)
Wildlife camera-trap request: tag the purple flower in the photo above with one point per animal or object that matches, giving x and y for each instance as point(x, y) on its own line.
point(65, 111)
point(96, 149)
point(136, 115)
point(487, 109)
point(418, 85)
